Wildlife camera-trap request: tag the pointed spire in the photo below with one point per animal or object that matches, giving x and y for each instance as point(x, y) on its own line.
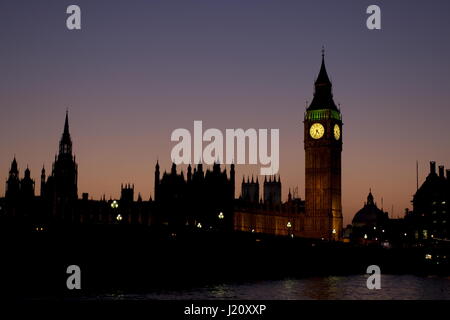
point(370, 198)
point(323, 97)
point(66, 123)
point(322, 78)
point(65, 144)
point(14, 168)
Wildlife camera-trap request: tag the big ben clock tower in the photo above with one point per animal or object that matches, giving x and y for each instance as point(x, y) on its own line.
point(323, 148)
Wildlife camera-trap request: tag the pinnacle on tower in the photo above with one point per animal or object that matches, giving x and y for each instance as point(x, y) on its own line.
point(323, 96)
point(65, 144)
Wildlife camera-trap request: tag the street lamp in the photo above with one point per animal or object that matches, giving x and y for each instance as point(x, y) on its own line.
point(333, 232)
point(289, 226)
point(221, 216)
point(114, 204)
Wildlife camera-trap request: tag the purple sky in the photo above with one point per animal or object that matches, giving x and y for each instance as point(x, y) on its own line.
point(140, 69)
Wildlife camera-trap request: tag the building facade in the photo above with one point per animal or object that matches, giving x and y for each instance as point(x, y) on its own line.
point(430, 218)
point(202, 199)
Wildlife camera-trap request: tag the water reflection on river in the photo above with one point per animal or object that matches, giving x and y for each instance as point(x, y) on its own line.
point(323, 288)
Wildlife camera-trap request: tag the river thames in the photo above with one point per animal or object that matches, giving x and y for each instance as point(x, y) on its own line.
point(393, 287)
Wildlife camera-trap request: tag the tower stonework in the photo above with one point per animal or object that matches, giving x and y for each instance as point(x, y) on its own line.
point(323, 148)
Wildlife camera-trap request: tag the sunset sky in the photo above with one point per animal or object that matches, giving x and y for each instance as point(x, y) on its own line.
point(140, 69)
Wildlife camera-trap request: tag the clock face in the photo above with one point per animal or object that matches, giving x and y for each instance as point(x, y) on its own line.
point(337, 132)
point(316, 131)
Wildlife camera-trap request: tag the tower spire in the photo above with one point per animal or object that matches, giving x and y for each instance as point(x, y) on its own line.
point(65, 144)
point(323, 97)
point(66, 122)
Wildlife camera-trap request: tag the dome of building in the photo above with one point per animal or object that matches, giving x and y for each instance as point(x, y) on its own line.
point(370, 214)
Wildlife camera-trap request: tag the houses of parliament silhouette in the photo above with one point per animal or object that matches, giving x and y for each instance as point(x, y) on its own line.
point(204, 198)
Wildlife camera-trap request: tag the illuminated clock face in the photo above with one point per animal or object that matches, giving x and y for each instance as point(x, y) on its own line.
point(316, 131)
point(337, 132)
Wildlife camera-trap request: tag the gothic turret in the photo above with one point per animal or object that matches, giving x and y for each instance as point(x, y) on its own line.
point(65, 144)
point(43, 181)
point(13, 182)
point(157, 176)
point(65, 169)
point(27, 186)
